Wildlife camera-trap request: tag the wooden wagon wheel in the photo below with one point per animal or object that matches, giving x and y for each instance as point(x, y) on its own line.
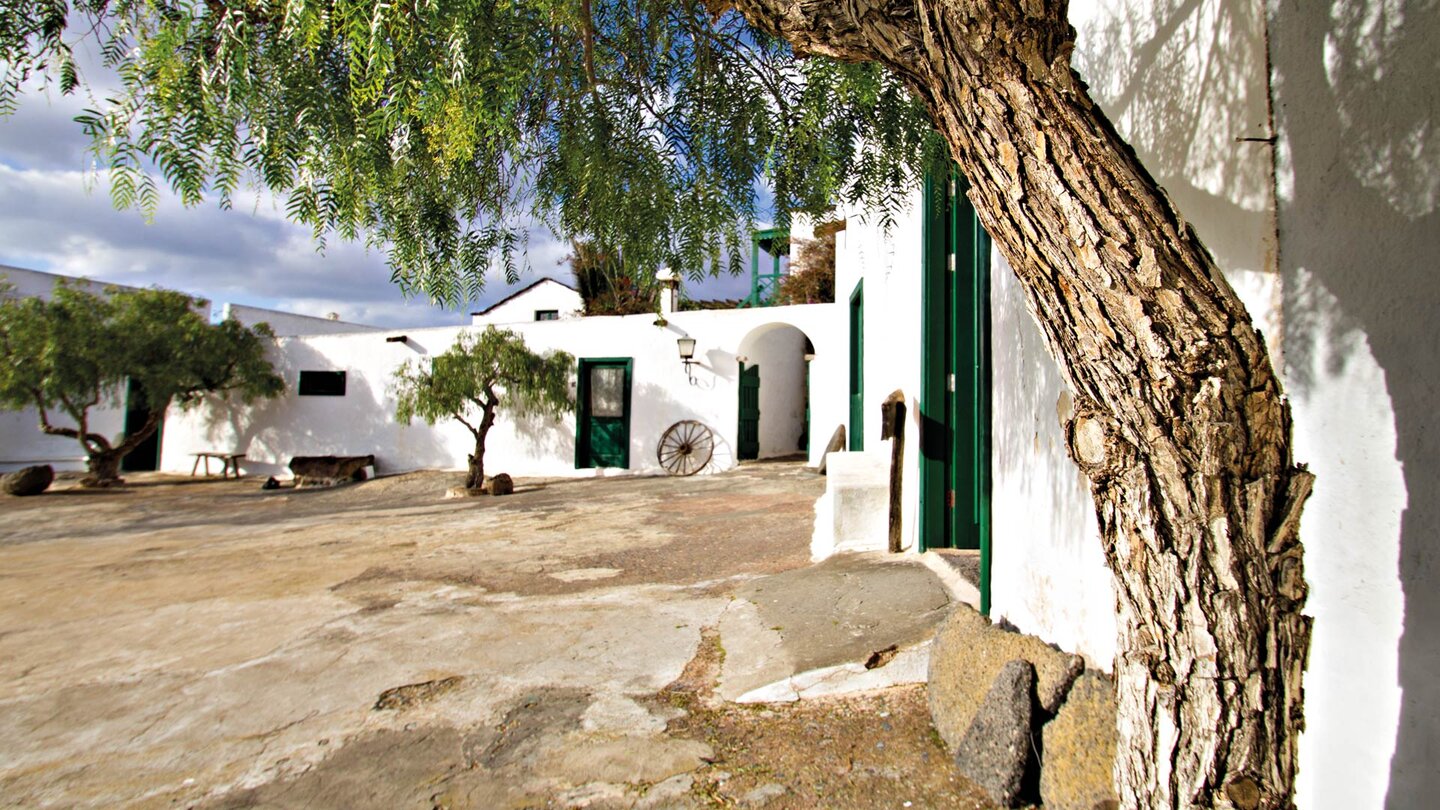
point(686, 447)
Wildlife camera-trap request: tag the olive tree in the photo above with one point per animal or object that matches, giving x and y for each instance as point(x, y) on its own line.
point(480, 375)
point(77, 351)
point(435, 129)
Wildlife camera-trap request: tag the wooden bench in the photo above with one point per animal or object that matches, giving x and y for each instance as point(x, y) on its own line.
point(228, 462)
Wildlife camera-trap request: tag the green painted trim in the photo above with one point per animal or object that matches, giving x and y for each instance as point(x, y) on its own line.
point(934, 365)
point(582, 397)
point(763, 285)
point(856, 391)
point(955, 334)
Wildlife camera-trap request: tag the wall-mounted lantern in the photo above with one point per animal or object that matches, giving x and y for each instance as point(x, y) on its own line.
point(687, 355)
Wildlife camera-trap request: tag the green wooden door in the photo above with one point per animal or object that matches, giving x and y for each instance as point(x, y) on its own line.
point(146, 457)
point(749, 433)
point(857, 367)
point(602, 425)
point(955, 388)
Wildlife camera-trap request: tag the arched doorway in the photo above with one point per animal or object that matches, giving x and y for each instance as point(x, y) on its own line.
point(773, 411)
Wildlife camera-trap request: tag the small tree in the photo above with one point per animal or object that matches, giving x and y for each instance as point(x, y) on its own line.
point(75, 352)
point(605, 285)
point(483, 373)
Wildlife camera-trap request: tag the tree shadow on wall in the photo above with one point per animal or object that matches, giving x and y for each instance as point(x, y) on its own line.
point(1355, 105)
point(1358, 98)
point(359, 423)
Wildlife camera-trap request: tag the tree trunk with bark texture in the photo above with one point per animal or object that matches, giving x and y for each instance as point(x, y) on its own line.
point(1180, 423)
point(475, 478)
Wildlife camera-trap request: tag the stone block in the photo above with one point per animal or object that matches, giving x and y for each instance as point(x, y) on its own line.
point(969, 653)
point(329, 470)
point(996, 746)
point(499, 484)
point(1079, 748)
point(28, 480)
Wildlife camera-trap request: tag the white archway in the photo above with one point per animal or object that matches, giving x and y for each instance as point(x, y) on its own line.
point(781, 351)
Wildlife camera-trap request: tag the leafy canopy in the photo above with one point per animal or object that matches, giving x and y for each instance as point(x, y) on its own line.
point(439, 130)
point(488, 370)
point(76, 351)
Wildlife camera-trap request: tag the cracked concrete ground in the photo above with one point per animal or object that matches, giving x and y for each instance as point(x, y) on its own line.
point(206, 643)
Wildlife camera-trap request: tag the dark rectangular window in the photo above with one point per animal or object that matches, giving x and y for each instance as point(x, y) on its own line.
point(547, 314)
point(322, 383)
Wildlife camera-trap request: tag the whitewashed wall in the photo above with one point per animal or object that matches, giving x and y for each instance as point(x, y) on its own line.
point(521, 308)
point(362, 422)
point(1356, 103)
point(285, 324)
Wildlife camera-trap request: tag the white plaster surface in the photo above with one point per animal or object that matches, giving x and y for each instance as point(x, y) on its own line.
point(286, 324)
point(1356, 103)
point(853, 514)
point(521, 307)
point(1048, 574)
point(362, 422)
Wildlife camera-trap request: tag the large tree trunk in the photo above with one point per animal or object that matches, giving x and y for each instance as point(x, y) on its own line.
point(104, 461)
point(103, 469)
point(1180, 423)
point(475, 478)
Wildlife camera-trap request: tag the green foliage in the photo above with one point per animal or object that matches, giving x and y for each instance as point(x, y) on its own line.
point(606, 286)
point(483, 372)
point(811, 278)
point(76, 351)
point(436, 131)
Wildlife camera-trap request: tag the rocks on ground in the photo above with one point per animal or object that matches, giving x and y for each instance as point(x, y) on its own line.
point(499, 484)
point(1079, 746)
point(972, 686)
point(996, 748)
point(329, 470)
point(28, 480)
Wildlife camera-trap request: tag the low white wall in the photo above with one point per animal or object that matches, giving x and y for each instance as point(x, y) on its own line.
point(362, 422)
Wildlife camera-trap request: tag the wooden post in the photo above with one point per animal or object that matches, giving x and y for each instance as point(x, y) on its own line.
point(892, 427)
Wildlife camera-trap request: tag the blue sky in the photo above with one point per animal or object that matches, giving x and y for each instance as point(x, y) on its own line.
point(56, 216)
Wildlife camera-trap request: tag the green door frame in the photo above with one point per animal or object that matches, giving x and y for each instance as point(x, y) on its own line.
point(857, 367)
point(146, 457)
point(583, 457)
point(956, 378)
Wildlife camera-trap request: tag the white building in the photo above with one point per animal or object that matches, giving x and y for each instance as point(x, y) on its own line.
point(1297, 139)
point(1290, 136)
point(287, 324)
point(544, 300)
point(656, 390)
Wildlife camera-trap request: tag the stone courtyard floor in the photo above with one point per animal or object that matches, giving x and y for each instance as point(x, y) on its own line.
point(204, 643)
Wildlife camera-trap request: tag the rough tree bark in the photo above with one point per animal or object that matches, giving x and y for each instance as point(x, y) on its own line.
point(102, 460)
point(1181, 425)
point(475, 478)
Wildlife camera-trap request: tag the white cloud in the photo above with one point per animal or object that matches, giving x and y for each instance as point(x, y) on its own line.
point(57, 217)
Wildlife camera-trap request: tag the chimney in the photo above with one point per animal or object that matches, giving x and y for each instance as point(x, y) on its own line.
point(669, 291)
